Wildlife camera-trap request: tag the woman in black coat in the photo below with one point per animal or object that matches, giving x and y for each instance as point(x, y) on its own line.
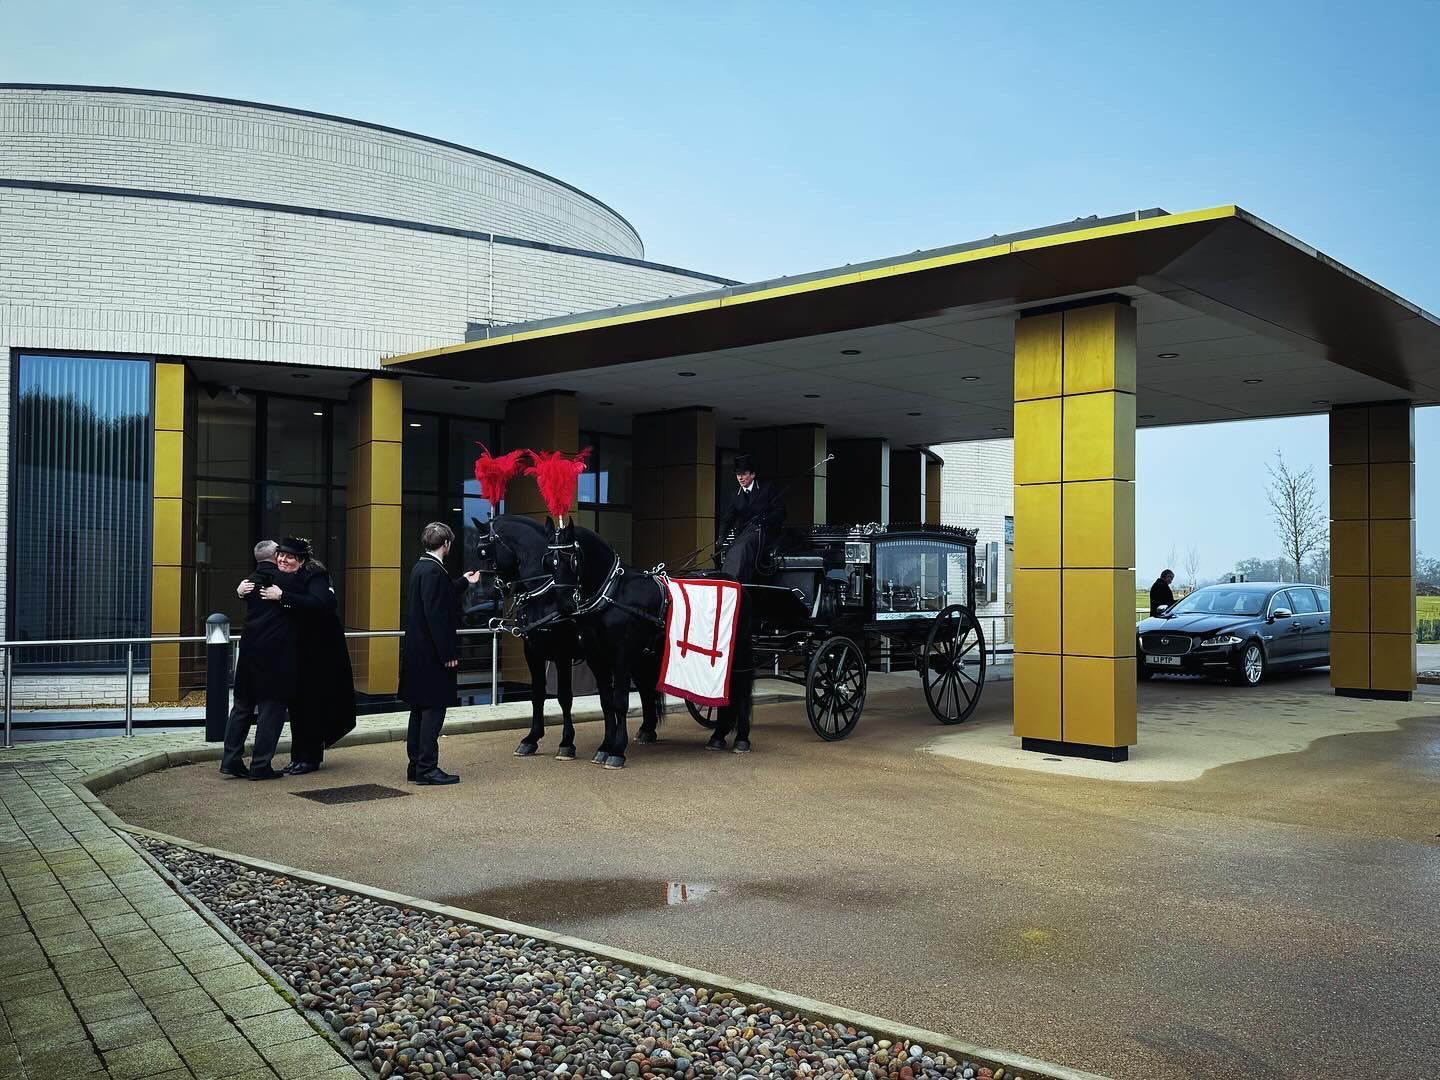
point(323, 709)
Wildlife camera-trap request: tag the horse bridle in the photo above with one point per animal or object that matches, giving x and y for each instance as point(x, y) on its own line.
point(516, 601)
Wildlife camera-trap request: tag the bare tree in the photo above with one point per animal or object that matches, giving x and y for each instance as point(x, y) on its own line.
point(1192, 567)
point(1297, 512)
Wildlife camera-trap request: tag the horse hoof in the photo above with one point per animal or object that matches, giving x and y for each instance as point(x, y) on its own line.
point(742, 746)
point(525, 749)
point(599, 758)
point(565, 753)
point(645, 738)
point(614, 761)
point(715, 744)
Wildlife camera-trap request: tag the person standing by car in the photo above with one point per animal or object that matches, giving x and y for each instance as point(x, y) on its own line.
point(266, 671)
point(1160, 594)
point(431, 653)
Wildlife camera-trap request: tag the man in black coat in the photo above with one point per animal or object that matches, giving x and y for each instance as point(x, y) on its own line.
point(266, 671)
point(1160, 592)
point(431, 653)
point(756, 513)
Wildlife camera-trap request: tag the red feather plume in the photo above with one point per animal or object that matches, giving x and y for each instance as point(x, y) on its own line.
point(557, 476)
point(495, 473)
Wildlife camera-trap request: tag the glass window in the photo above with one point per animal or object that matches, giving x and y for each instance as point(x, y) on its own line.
point(918, 577)
point(225, 435)
point(1302, 601)
point(296, 511)
point(81, 506)
point(421, 452)
point(295, 441)
point(224, 548)
point(1322, 597)
point(339, 444)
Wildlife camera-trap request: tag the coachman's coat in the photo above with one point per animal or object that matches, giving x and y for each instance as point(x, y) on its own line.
point(430, 636)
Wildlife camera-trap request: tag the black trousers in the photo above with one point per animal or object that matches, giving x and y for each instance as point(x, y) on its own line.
point(740, 559)
point(422, 739)
point(269, 720)
point(307, 741)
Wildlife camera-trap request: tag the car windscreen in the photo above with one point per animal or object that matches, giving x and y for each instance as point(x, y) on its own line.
point(1220, 602)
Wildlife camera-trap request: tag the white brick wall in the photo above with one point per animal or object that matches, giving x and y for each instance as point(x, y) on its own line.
point(978, 492)
point(240, 151)
point(114, 274)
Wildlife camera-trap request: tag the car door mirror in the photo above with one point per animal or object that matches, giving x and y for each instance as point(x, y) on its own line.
point(1280, 613)
point(1160, 609)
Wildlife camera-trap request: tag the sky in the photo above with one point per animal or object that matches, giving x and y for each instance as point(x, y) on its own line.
point(752, 140)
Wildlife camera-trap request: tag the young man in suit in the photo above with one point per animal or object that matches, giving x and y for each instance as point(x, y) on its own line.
point(431, 653)
point(756, 514)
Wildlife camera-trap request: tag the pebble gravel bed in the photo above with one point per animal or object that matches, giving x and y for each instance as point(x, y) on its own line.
point(415, 995)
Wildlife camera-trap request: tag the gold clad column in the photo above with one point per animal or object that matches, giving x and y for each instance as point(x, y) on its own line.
point(934, 476)
point(372, 513)
point(1372, 550)
point(546, 421)
point(672, 485)
point(174, 669)
point(1074, 577)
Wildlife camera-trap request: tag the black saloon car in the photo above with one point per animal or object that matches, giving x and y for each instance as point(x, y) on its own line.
point(1239, 631)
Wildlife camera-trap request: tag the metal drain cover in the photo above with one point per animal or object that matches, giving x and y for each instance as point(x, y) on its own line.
point(351, 793)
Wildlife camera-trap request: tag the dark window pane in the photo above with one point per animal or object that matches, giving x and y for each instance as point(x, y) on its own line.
point(334, 558)
point(224, 546)
point(296, 511)
point(615, 471)
point(225, 440)
point(421, 452)
point(295, 441)
point(340, 444)
point(82, 505)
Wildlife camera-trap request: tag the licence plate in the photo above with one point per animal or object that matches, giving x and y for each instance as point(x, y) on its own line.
point(1163, 661)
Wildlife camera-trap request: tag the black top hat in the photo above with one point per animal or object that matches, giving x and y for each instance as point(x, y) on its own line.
point(743, 463)
point(294, 545)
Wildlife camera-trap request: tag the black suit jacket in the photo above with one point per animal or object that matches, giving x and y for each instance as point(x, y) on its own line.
point(430, 636)
point(1160, 594)
point(762, 505)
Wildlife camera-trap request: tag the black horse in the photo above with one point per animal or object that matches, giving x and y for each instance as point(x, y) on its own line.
point(513, 548)
point(620, 612)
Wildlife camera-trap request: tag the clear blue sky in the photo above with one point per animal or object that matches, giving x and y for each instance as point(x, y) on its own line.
point(758, 139)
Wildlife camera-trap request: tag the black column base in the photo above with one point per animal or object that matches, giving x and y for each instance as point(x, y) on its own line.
point(1376, 695)
point(1075, 749)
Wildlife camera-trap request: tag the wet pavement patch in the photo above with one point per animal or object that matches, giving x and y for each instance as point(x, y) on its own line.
point(351, 793)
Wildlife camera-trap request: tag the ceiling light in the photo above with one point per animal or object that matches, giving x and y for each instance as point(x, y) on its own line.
point(914, 414)
point(686, 374)
point(299, 375)
point(318, 412)
point(457, 509)
point(286, 502)
point(605, 404)
point(969, 378)
point(849, 352)
point(1320, 401)
point(459, 386)
point(739, 418)
point(999, 429)
point(414, 423)
point(1168, 355)
point(812, 395)
point(1146, 416)
point(1252, 382)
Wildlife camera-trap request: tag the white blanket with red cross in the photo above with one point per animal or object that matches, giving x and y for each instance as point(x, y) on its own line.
point(700, 639)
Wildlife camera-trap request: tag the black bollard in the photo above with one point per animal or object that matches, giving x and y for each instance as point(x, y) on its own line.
point(217, 676)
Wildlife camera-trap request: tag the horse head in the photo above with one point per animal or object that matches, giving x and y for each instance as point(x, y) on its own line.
point(565, 563)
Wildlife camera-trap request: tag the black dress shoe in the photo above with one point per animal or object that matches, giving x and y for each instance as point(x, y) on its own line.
point(266, 773)
point(742, 746)
point(237, 772)
point(436, 776)
point(299, 768)
point(715, 743)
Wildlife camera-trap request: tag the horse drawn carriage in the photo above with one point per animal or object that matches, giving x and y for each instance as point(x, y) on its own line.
point(833, 601)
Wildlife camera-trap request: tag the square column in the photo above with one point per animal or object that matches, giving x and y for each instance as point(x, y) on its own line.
point(908, 475)
point(672, 486)
point(1074, 577)
point(786, 457)
point(857, 489)
point(372, 519)
point(548, 421)
point(174, 669)
point(1372, 550)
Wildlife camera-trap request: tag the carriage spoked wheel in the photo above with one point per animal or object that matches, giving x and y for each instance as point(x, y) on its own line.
point(953, 664)
point(704, 715)
point(835, 688)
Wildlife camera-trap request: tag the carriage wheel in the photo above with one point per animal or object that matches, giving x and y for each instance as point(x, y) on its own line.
point(835, 688)
point(953, 667)
point(704, 715)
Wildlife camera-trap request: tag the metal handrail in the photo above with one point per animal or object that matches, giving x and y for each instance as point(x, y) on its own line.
point(7, 648)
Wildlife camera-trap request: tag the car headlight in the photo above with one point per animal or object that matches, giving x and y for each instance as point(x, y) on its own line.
point(1221, 639)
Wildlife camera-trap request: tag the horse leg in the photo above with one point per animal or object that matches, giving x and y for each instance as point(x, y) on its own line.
point(564, 670)
point(603, 680)
point(619, 705)
point(535, 661)
point(652, 702)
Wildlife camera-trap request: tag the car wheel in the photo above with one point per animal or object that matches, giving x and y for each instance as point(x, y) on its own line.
point(1250, 671)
